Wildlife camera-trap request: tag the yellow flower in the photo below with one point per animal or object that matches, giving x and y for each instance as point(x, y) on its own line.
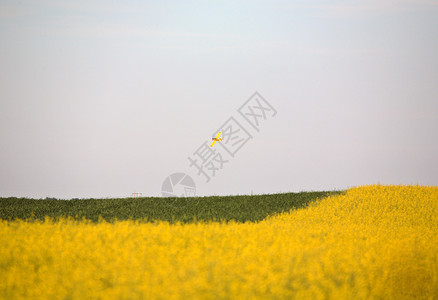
point(370, 242)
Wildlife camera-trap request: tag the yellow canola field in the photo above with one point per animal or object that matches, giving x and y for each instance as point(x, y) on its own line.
point(370, 242)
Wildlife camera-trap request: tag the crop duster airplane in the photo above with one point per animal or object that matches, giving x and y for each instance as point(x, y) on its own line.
point(216, 139)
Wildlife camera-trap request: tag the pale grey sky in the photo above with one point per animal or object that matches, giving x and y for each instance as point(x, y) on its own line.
point(101, 99)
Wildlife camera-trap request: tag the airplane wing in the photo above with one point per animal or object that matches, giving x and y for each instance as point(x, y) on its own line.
point(216, 139)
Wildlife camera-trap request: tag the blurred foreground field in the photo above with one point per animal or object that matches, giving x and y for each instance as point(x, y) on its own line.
point(369, 242)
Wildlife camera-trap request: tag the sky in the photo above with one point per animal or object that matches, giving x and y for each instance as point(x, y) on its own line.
point(104, 98)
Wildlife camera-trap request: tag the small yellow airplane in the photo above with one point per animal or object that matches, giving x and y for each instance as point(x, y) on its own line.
point(216, 139)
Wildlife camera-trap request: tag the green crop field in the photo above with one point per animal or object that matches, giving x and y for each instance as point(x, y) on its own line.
point(221, 208)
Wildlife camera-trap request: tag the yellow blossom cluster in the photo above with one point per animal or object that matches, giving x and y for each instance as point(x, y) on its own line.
point(369, 242)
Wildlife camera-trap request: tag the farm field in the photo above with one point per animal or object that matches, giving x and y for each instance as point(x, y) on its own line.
point(378, 242)
point(237, 208)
